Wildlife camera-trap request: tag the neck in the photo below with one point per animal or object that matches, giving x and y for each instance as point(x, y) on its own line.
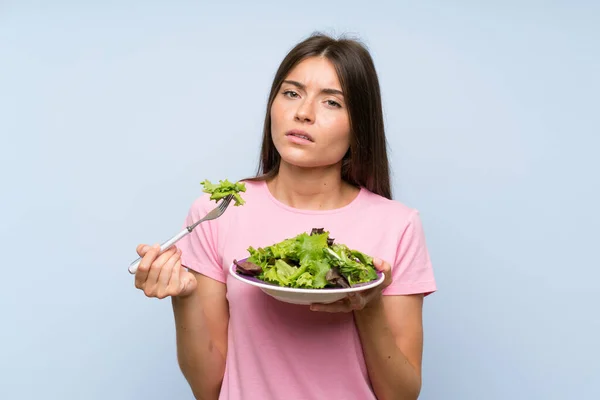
point(311, 188)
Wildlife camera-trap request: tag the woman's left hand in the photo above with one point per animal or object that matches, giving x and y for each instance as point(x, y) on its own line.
point(360, 300)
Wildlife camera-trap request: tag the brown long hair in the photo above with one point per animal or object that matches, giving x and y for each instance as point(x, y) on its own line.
point(366, 162)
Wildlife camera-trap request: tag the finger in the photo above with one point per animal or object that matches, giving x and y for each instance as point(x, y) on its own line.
point(380, 265)
point(157, 265)
point(339, 306)
point(386, 268)
point(370, 293)
point(357, 301)
point(175, 283)
point(188, 281)
point(141, 275)
point(141, 249)
point(373, 297)
point(162, 287)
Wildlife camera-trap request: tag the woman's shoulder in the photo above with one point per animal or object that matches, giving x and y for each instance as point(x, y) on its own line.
point(392, 208)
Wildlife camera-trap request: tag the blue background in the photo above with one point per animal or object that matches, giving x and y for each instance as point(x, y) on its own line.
point(112, 112)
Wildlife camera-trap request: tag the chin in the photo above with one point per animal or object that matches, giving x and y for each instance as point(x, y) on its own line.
point(300, 162)
point(307, 162)
point(307, 158)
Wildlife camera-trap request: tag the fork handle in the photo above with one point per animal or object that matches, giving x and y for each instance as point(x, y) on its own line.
point(163, 247)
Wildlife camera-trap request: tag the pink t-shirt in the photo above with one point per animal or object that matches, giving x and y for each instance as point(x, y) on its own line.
point(282, 351)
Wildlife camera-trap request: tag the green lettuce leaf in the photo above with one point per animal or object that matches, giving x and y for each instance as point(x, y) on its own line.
point(310, 247)
point(224, 189)
point(319, 268)
point(283, 273)
point(355, 266)
point(305, 260)
point(305, 281)
point(285, 249)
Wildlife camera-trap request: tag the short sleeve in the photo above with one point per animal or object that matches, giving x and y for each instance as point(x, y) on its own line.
point(412, 272)
point(199, 249)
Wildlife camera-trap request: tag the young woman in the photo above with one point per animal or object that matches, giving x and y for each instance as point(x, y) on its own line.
point(323, 165)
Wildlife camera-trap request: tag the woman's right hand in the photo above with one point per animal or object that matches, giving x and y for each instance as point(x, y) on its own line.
point(162, 275)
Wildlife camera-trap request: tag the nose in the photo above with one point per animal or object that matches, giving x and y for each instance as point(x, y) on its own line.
point(305, 112)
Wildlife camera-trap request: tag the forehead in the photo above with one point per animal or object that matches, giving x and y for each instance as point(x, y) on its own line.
point(317, 72)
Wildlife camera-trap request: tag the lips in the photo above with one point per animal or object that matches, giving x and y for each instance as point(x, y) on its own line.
point(300, 134)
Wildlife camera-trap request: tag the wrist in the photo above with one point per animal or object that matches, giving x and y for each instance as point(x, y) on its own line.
point(372, 308)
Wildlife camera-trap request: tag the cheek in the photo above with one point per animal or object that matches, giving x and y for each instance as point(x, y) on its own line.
point(335, 148)
point(275, 117)
point(278, 116)
point(274, 114)
point(340, 133)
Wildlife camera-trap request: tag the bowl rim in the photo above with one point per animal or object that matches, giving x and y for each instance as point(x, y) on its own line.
point(270, 286)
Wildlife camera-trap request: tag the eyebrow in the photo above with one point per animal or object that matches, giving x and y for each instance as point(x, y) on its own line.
point(303, 87)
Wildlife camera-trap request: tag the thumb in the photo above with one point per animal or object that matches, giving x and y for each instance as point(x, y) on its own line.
point(142, 249)
point(378, 263)
point(188, 283)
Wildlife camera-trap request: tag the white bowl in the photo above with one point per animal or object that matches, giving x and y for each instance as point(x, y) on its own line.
point(304, 296)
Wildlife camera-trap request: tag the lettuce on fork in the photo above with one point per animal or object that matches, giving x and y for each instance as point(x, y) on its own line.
point(311, 261)
point(223, 189)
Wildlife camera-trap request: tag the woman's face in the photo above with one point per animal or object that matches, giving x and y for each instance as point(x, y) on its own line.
point(310, 125)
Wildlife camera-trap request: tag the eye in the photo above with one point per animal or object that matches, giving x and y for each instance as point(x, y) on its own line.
point(334, 104)
point(290, 93)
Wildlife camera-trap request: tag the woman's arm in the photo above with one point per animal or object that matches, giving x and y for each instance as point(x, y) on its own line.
point(201, 321)
point(391, 333)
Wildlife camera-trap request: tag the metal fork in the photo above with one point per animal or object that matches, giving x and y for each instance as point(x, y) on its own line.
point(215, 213)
